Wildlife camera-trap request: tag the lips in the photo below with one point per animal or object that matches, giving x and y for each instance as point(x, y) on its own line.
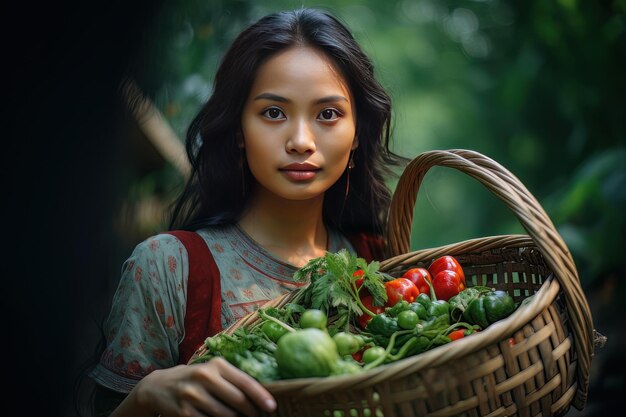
point(300, 171)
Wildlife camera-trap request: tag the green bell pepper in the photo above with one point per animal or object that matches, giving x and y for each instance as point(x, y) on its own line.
point(489, 308)
point(394, 311)
point(419, 309)
point(381, 324)
point(439, 308)
point(424, 300)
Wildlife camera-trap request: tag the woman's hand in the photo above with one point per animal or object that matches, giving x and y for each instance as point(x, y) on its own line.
point(215, 388)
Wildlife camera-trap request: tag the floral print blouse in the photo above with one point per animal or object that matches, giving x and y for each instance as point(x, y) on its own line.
point(146, 323)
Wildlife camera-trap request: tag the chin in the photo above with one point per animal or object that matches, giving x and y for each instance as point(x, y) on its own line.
point(302, 195)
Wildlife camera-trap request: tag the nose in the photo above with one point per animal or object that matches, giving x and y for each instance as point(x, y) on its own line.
point(301, 138)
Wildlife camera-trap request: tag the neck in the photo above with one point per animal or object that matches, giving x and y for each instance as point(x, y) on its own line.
point(293, 231)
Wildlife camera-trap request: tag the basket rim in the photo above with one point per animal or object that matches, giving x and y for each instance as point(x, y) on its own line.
point(463, 247)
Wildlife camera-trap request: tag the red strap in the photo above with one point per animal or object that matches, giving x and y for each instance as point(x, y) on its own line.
point(367, 246)
point(203, 290)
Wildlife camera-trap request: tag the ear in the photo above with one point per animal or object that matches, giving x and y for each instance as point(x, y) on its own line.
point(239, 139)
point(355, 143)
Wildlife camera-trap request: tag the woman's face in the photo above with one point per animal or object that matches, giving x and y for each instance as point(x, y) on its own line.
point(298, 125)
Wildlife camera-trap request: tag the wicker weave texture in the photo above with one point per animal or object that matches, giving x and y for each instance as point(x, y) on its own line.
point(508, 188)
point(534, 363)
point(522, 366)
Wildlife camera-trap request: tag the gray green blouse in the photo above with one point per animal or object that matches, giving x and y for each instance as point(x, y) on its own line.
point(146, 321)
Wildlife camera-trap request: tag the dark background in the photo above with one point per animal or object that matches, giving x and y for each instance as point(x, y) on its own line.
point(63, 164)
point(547, 102)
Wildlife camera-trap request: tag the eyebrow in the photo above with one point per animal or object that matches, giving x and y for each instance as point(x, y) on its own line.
point(274, 97)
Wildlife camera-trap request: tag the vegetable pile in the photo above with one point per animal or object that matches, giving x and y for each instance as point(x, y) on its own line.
point(353, 317)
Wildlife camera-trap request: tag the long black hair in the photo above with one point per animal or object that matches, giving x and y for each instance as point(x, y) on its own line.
point(218, 188)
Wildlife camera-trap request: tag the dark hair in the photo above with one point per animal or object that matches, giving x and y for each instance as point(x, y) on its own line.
point(218, 188)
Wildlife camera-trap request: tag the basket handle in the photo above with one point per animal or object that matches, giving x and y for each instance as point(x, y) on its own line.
point(531, 215)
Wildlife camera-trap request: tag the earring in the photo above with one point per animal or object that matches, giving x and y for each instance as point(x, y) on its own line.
point(350, 166)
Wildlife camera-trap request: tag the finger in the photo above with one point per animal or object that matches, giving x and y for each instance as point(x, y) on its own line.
point(213, 407)
point(222, 389)
point(195, 400)
point(249, 386)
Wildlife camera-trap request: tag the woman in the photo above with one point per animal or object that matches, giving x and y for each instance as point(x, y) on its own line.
point(289, 158)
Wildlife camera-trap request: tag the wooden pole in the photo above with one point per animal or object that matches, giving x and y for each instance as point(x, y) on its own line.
point(155, 127)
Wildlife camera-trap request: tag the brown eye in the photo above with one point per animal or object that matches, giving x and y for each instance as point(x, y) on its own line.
point(328, 115)
point(273, 113)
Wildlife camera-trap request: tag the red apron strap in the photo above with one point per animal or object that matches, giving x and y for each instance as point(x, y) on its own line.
point(203, 315)
point(367, 246)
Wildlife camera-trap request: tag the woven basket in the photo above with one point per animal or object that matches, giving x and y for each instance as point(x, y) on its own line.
point(535, 362)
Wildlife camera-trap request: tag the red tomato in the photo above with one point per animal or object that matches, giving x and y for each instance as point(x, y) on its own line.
point(368, 302)
point(358, 355)
point(447, 284)
point(448, 263)
point(358, 274)
point(419, 276)
point(400, 289)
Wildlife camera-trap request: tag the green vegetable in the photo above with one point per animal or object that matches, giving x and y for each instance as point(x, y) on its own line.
point(408, 319)
point(295, 340)
point(489, 308)
point(382, 324)
point(434, 327)
point(400, 306)
point(415, 344)
point(424, 300)
point(373, 354)
point(419, 309)
point(313, 318)
point(332, 284)
point(439, 308)
point(306, 353)
point(460, 302)
point(347, 367)
point(285, 314)
point(273, 330)
point(259, 365)
point(347, 343)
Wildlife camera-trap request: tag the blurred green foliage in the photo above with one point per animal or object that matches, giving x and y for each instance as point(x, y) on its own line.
point(536, 85)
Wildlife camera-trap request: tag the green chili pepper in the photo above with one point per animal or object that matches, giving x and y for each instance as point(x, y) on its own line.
point(489, 308)
point(435, 326)
point(421, 345)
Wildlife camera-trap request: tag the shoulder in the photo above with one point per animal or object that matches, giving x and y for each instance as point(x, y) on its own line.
point(157, 256)
point(159, 244)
